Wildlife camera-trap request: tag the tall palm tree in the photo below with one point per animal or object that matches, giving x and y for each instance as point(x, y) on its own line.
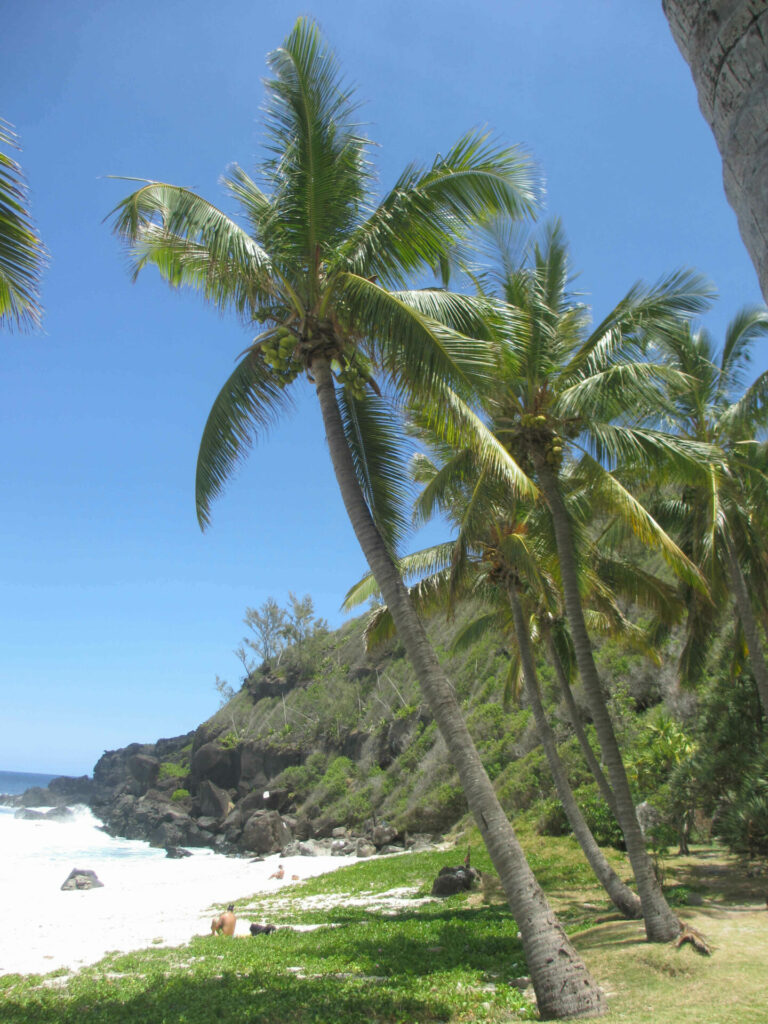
point(325, 269)
point(22, 254)
point(568, 390)
point(719, 521)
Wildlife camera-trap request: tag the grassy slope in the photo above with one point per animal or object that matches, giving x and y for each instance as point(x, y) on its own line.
point(423, 962)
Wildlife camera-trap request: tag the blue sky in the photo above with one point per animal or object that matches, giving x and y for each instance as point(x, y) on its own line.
point(116, 613)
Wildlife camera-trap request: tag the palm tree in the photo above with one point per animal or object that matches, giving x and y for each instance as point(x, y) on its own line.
point(718, 521)
point(325, 269)
point(22, 254)
point(566, 389)
point(500, 557)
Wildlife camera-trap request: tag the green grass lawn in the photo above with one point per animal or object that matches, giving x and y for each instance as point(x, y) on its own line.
point(455, 960)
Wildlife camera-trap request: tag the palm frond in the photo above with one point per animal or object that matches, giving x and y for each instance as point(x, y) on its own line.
point(192, 242)
point(22, 254)
point(642, 523)
point(250, 401)
point(377, 445)
point(420, 220)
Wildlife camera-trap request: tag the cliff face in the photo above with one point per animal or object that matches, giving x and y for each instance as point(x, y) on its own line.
point(329, 745)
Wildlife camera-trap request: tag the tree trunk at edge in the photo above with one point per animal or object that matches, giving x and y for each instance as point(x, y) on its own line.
point(562, 984)
point(725, 44)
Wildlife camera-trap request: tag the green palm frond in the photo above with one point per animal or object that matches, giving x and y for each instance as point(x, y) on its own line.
point(192, 242)
point(22, 254)
point(249, 403)
point(477, 629)
point(378, 448)
point(318, 168)
point(419, 353)
point(749, 324)
point(419, 221)
point(619, 500)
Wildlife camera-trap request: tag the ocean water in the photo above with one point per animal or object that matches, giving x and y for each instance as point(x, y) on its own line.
point(12, 783)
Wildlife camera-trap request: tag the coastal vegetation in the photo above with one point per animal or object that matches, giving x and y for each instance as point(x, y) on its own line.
point(377, 951)
point(605, 480)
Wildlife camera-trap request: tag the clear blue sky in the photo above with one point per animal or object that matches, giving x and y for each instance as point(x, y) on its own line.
point(116, 613)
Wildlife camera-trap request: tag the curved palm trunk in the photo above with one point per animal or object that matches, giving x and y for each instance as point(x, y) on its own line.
point(561, 981)
point(586, 748)
point(623, 898)
point(661, 925)
point(748, 623)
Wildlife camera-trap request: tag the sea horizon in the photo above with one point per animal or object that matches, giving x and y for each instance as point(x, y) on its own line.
point(12, 783)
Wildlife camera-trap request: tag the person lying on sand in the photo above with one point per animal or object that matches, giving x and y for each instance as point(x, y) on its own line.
point(279, 873)
point(224, 924)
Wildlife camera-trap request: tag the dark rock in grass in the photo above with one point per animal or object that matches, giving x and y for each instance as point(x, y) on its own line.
point(262, 929)
point(82, 878)
point(176, 852)
point(452, 880)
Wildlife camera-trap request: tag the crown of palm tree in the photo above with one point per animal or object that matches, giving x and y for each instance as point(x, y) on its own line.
point(322, 268)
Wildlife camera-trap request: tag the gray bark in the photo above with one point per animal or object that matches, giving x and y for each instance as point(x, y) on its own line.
point(623, 898)
point(748, 623)
point(562, 984)
point(725, 45)
point(589, 755)
point(661, 925)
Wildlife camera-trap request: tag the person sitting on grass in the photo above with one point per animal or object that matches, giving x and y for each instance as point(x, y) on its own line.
point(224, 924)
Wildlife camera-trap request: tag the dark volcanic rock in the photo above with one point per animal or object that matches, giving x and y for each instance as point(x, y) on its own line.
point(82, 878)
point(176, 852)
point(144, 769)
point(26, 814)
point(212, 801)
point(216, 764)
point(264, 832)
point(59, 814)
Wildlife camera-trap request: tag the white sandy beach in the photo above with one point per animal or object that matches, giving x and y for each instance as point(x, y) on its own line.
point(147, 899)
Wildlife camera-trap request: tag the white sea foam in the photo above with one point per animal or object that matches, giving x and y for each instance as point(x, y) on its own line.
point(146, 896)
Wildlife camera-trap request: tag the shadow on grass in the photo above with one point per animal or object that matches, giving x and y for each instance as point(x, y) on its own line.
point(236, 999)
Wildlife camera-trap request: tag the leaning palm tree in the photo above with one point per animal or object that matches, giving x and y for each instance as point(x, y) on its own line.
point(500, 556)
point(324, 270)
point(567, 390)
point(718, 522)
point(22, 254)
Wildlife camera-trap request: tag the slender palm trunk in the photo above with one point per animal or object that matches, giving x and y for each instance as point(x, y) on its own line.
point(586, 747)
point(623, 898)
point(562, 984)
point(748, 623)
point(661, 925)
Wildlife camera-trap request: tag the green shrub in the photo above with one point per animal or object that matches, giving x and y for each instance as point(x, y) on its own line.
point(171, 770)
point(598, 816)
point(552, 820)
point(180, 794)
point(742, 819)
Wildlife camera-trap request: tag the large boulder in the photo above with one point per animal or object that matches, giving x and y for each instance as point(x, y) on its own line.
point(217, 764)
point(383, 835)
point(144, 770)
point(212, 801)
point(264, 832)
